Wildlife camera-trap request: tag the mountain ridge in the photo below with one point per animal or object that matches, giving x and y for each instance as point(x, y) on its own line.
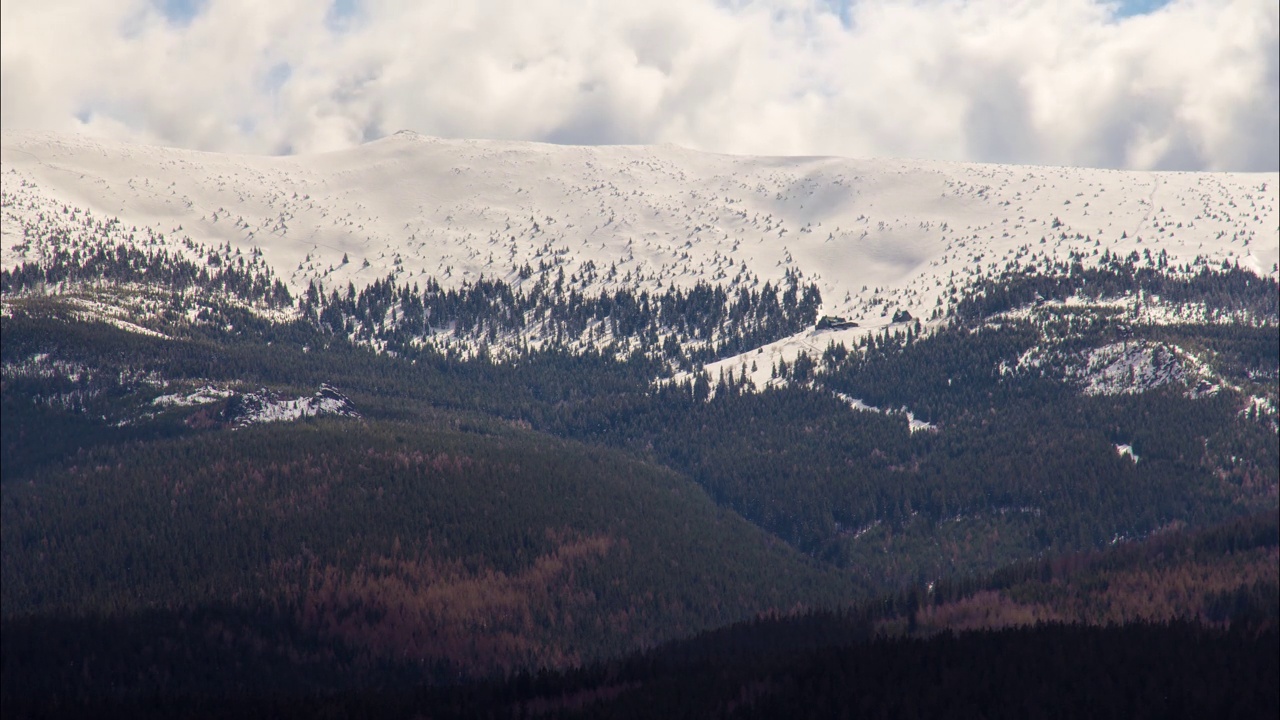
point(459, 209)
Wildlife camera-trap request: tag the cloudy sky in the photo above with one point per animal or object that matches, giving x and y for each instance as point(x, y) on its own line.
point(1165, 84)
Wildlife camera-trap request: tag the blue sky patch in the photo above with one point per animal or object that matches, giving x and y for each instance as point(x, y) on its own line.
point(341, 14)
point(180, 12)
point(1129, 8)
point(277, 76)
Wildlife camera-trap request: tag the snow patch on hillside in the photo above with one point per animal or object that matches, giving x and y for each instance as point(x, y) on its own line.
point(1138, 309)
point(42, 366)
point(758, 364)
point(1260, 406)
point(914, 424)
point(265, 406)
point(1122, 368)
point(90, 310)
point(1137, 366)
point(76, 384)
point(201, 396)
point(1127, 451)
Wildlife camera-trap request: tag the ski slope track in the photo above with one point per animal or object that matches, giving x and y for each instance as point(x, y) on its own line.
point(875, 235)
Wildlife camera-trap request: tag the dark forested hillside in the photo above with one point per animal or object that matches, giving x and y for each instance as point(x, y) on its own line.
point(1207, 647)
point(215, 492)
point(485, 547)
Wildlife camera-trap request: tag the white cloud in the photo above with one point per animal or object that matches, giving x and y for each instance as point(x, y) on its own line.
point(1192, 85)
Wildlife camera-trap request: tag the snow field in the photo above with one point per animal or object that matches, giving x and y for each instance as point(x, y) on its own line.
point(875, 235)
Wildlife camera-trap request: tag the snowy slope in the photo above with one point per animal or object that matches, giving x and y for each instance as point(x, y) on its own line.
point(875, 235)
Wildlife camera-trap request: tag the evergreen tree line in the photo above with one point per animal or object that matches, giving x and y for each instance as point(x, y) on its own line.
point(684, 327)
point(222, 273)
point(1223, 289)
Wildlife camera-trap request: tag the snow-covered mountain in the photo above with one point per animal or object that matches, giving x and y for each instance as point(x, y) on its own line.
point(876, 236)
